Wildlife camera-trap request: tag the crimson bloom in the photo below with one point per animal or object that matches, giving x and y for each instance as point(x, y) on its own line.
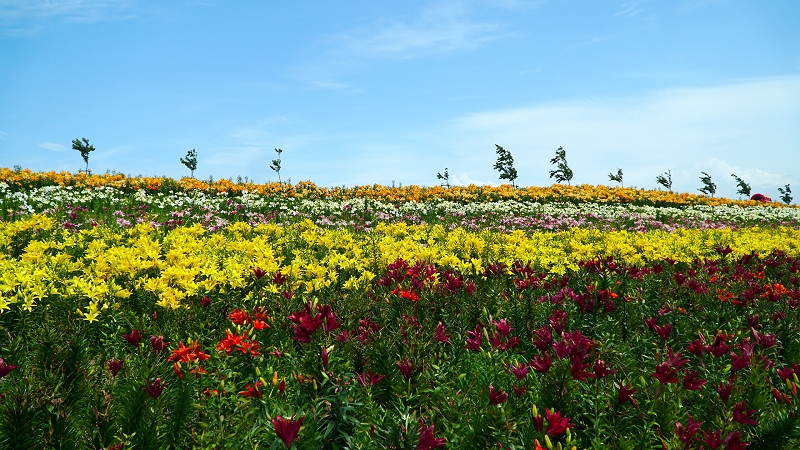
point(134, 338)
point(158, 344)
point(427, 440)
point(691, 382)
point(556, 424)
point(626, 395)
point(287, 429)
point(742, 415)
point(441, 335)
point(497, 396)
point(5, 369)
point(541, 363)
point(405, 367)
point(686, 434)
point(155, 388)
point(252, 391)
point(519, 371)
point(369, 377)
point(114, 366)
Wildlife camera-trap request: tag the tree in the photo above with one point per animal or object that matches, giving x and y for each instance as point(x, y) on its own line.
point(85, 149)
point(505, 165)
point(562, 172)
point(276, 164)
point(744, 188)
point(617, 177)
point(190, 161)
point(787, 194)
point(708, 188)
point(445, 178)
point(665, 181)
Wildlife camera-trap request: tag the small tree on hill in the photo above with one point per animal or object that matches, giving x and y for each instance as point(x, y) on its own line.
point(787, 194)
point(665, 181)
point(562, 172)
point(744, 188)
point(445, 178)
point(505, 165)
point(83, 146)
point(617, 177)
point(276, 164)
point(190, 161)
point(708, 188)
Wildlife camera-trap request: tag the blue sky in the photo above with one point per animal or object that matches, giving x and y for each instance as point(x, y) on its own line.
point(362, 92)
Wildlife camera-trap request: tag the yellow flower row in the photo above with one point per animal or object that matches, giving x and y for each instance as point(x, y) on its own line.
point(308, 190)
point(103, 266)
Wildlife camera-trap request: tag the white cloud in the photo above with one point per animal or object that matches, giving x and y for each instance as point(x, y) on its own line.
point(463, 179)
point(53, 146)
point(751, 123)
point(2, 136)
point(441, 28)
point(753, 176)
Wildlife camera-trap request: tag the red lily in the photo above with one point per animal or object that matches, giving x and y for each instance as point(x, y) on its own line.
point(496, 396)
point(427, 440)
point(5, 369)
point(287, 429)
point(556, 424)
point(742, 415)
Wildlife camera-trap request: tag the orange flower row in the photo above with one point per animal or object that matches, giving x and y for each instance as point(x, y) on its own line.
point(308, 190)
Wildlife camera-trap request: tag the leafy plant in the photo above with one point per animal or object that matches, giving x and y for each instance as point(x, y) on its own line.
point(190, 161)
point(665, 181)
point(708, 188)
point(83, 146)
point(445, 178)
point(562, 172)
point(744, 188)
point(617, 177)
point(786, 194)
point(276, 164)
point(505, 165)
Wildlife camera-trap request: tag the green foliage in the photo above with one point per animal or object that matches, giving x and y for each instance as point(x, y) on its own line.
point(562, 172)
point(744, 188)
point(445, 178)
point(276, 164)
point(708, 188)
point(665, 179)
point(616, 177)
point(82, 145)
point(190, 161)
point(505, 165)
point(786, 194)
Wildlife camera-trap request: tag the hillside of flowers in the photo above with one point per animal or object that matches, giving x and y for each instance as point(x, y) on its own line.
point(149, 313)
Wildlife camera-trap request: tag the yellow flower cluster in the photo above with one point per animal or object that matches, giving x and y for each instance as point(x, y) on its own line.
point(308, 190)
point(103, 266)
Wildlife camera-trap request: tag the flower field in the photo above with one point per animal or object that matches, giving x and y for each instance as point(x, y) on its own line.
point(152, 313)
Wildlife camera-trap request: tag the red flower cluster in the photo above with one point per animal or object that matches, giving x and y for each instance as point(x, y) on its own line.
point(307, 321)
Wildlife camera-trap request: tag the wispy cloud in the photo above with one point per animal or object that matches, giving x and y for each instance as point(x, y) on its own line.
point(53, 146)
point(630, 8)
point(441, 28)
point(22, 17)
point(748, 126)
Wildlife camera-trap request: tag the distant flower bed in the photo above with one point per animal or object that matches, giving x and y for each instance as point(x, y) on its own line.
point(26, 180)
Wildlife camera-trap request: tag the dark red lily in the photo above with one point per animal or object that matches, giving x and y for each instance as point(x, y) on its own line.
point(556, 424)
point(626, 395)
point(691, 382)
point(541, 363)
point(155, 388)
point(114, 366)
point(5, 369)
point(441, 334)
point(287, 429)
point(134, 338)
point(427, 440)
point(405, 367)
point(742, 415)
point(497, 396)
